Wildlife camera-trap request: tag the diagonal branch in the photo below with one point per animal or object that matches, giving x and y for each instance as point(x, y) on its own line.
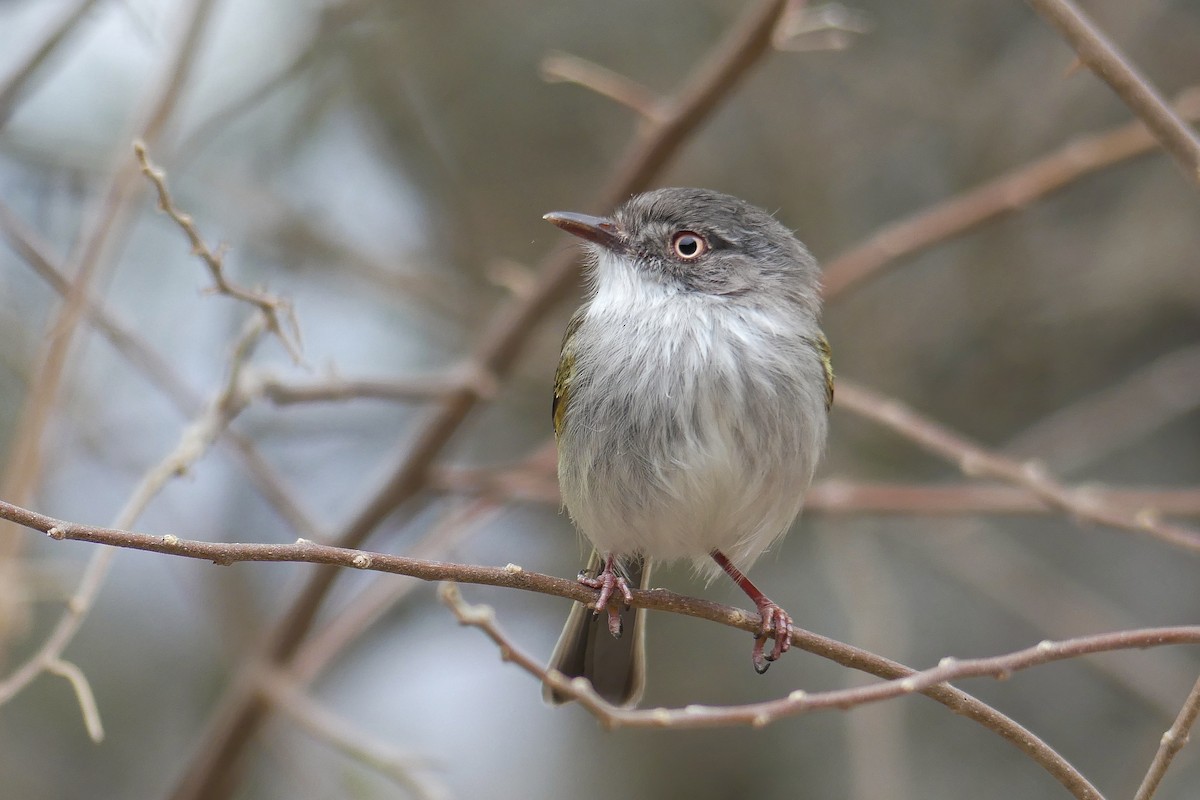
point(272, 308)
point(904, 679)
point(158, 370)
point(1005, 194)
point(1172, 742)
point(1102, 57)
point(193, 444)
point(978, 462)
point(12, 90)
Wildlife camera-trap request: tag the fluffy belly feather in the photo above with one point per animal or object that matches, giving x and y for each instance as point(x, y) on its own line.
point(675, 446)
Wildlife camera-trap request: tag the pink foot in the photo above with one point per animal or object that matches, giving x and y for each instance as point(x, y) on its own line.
point(608, 582)
point(775, 623)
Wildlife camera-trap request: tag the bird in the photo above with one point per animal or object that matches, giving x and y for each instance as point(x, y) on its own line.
point(690, 411)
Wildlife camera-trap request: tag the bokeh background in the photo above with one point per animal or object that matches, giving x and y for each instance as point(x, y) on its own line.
point(385, 164)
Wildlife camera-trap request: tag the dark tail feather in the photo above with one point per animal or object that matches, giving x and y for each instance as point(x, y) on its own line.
point(615, 667)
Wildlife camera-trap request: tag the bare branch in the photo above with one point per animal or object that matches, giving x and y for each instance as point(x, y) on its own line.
point(1009, 192)
point(902, 678)
point(977, 462)
point(354, 619)
point(563, 67)
point(1172, 742)
point(436, 386)
point(1102, 57)
point(23, 465)
point(193, 444)
point(272, 308)
point(841, 496)
point(408, 771)
point(83, 695)
point(16, 85)
point(1144, 401)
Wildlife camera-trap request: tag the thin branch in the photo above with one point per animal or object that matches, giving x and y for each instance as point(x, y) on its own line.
point(334, 17)
point(192, 446)
point(1102, 57)
point(368, 607)
point(435, 386)
point(559, 67)
point(904, 681)
point(901, 680)
point(706, 87)
point(16, 85)
point(1004, 571)
point(23, 465)
point(1172, 742)
point(408, 771)
point(1144, 401)
point(978, 462)
point(829, 26)
point(840, 496)
point(158, 370)
point(273, 308)
point(1009, 192)
point(83, 695)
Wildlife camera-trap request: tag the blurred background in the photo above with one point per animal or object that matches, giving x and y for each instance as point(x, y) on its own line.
point(385, 164)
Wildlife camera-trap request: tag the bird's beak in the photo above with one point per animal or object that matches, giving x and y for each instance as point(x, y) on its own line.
point(601, 230)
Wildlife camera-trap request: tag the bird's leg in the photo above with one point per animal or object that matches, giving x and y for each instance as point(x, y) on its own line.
point(607, 582)
point(775, 621)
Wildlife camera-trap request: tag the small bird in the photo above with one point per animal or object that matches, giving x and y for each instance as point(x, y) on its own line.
point(690, 410)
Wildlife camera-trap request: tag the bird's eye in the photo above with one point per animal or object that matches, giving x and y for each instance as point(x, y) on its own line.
point(689, 245)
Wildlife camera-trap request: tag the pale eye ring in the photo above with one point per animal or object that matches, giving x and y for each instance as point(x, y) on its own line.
point(688, 245)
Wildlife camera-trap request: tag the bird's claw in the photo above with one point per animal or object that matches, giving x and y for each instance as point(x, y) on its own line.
point(609, 583)
point(777, 623)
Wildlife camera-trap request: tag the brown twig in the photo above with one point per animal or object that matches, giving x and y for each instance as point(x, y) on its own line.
point(13, 88)
point(368, 607)
point(901, 681)
point(407, 770)
point(208, 775)
point(841, 496)
point(948, 670)
point(1172, 742)
point(565, 68)
point(272, 308)
point(1102, 57)
point(158, 370)
point(1142, 402)
point(23, 465)
point(977, 462)
point(193, 444)
point(436, 386)
point(1024, 584)
point(1009, 192)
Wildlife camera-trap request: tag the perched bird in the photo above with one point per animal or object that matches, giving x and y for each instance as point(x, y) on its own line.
point(690, 410)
